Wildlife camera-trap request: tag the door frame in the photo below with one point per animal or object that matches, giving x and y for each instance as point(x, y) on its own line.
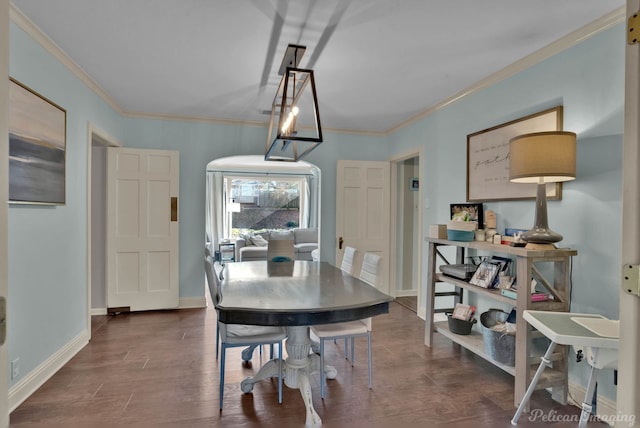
point(395, 161)
point(4, 196)
point(94, 134)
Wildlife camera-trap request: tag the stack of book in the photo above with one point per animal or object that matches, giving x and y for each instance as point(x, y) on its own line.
point(536, 296)
point(464, 312)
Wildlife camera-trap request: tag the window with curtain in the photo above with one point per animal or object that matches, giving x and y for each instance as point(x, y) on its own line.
point(247, 193)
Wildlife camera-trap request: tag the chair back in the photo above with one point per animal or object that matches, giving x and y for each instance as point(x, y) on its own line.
point(347, 259)
point(280, 248)
point(213, 279)
point(370, 268)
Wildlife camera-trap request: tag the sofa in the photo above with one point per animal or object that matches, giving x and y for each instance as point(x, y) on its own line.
point(254, 247)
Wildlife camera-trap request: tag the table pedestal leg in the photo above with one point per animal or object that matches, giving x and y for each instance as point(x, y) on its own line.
point(300, 363)
point(298, 366)
point(270, 369)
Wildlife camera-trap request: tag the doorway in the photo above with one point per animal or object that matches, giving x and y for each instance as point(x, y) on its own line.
point(407, 214)
point(98, 141)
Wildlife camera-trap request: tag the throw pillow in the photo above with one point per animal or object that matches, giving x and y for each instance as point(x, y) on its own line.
point(259, 241)
point(247, 239)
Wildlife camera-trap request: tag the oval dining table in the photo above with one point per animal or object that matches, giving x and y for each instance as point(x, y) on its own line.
point(295, 295)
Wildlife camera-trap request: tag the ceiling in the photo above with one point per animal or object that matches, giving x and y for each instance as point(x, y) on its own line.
point(377, 63)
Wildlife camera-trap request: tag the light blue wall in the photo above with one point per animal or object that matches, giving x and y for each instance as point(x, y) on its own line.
point(588, 80)
point(47, 245)
point(200, 143)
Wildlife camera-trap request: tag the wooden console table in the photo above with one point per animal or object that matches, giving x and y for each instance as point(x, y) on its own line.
point(529, 264)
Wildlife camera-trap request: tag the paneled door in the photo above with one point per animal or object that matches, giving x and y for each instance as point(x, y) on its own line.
point(363, 212)
point(142, 229)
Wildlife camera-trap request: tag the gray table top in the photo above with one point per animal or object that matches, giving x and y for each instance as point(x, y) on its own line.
point(295, 293)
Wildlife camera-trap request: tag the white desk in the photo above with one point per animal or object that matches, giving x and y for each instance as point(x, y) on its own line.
point(595, 333)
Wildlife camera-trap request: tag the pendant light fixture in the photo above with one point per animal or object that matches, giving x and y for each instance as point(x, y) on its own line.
point(294, 126)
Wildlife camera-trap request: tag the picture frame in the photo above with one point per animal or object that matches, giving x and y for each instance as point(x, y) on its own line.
point(37, 148)
point(485, 274)
point(488, 159)
point(475, 212)
point(414, 184)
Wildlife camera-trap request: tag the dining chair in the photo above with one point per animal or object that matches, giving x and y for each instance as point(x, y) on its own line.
point(280, 250)
point(240, 335)
point(348, 259)
point(351, 329)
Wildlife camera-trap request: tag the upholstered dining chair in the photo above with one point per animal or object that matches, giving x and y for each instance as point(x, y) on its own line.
point(351, 329)
point(280, 250)
point(240, 335)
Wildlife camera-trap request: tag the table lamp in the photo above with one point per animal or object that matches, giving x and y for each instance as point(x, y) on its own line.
point(542, 157)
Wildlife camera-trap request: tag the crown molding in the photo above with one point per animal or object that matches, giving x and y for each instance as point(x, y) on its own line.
point(50, 46)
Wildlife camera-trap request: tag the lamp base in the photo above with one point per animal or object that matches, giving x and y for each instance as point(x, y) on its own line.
point(540, 247)
point(540, 235)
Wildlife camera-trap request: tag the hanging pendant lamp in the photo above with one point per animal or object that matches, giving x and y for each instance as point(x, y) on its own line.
point(294, 126)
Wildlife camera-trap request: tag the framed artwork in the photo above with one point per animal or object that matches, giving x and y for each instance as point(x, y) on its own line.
point(488, 159)
point(37, 148)
point(468, 212)
point(485, 275)
point(414, 184)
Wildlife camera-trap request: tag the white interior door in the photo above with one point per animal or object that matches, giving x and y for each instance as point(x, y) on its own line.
point(142, 229)
point(362, 213)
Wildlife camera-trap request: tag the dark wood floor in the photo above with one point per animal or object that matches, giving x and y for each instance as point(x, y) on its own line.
point(159, 369)
point(409, 302)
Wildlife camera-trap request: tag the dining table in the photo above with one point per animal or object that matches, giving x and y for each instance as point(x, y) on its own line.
point(295, 295)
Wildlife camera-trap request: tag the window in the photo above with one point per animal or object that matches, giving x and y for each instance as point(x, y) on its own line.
point(238, 184)
point(255, 204)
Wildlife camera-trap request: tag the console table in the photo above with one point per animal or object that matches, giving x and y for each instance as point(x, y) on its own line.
point(529, 264)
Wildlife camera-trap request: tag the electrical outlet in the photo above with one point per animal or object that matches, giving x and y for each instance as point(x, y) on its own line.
point(15, 368)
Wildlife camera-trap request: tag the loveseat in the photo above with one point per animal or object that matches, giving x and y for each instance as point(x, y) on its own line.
point(254, 247)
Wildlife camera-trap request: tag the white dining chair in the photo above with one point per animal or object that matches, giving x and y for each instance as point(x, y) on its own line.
point(348, 259)
point(240, 335)
point(351, 329)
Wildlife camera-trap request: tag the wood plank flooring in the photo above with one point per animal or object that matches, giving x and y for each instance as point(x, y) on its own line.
point(159, 369)
point(409, 302)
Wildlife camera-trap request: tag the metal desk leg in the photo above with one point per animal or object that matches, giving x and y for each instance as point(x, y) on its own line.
point(543, 363)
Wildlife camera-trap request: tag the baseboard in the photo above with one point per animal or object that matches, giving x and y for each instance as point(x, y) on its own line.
point(192, 302)
point(407, 293)
point(98, 311)
point(183, 303)
point(606, 408)
point(38, 376)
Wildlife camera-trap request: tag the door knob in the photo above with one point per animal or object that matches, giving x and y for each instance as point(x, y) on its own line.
point(340, 242)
